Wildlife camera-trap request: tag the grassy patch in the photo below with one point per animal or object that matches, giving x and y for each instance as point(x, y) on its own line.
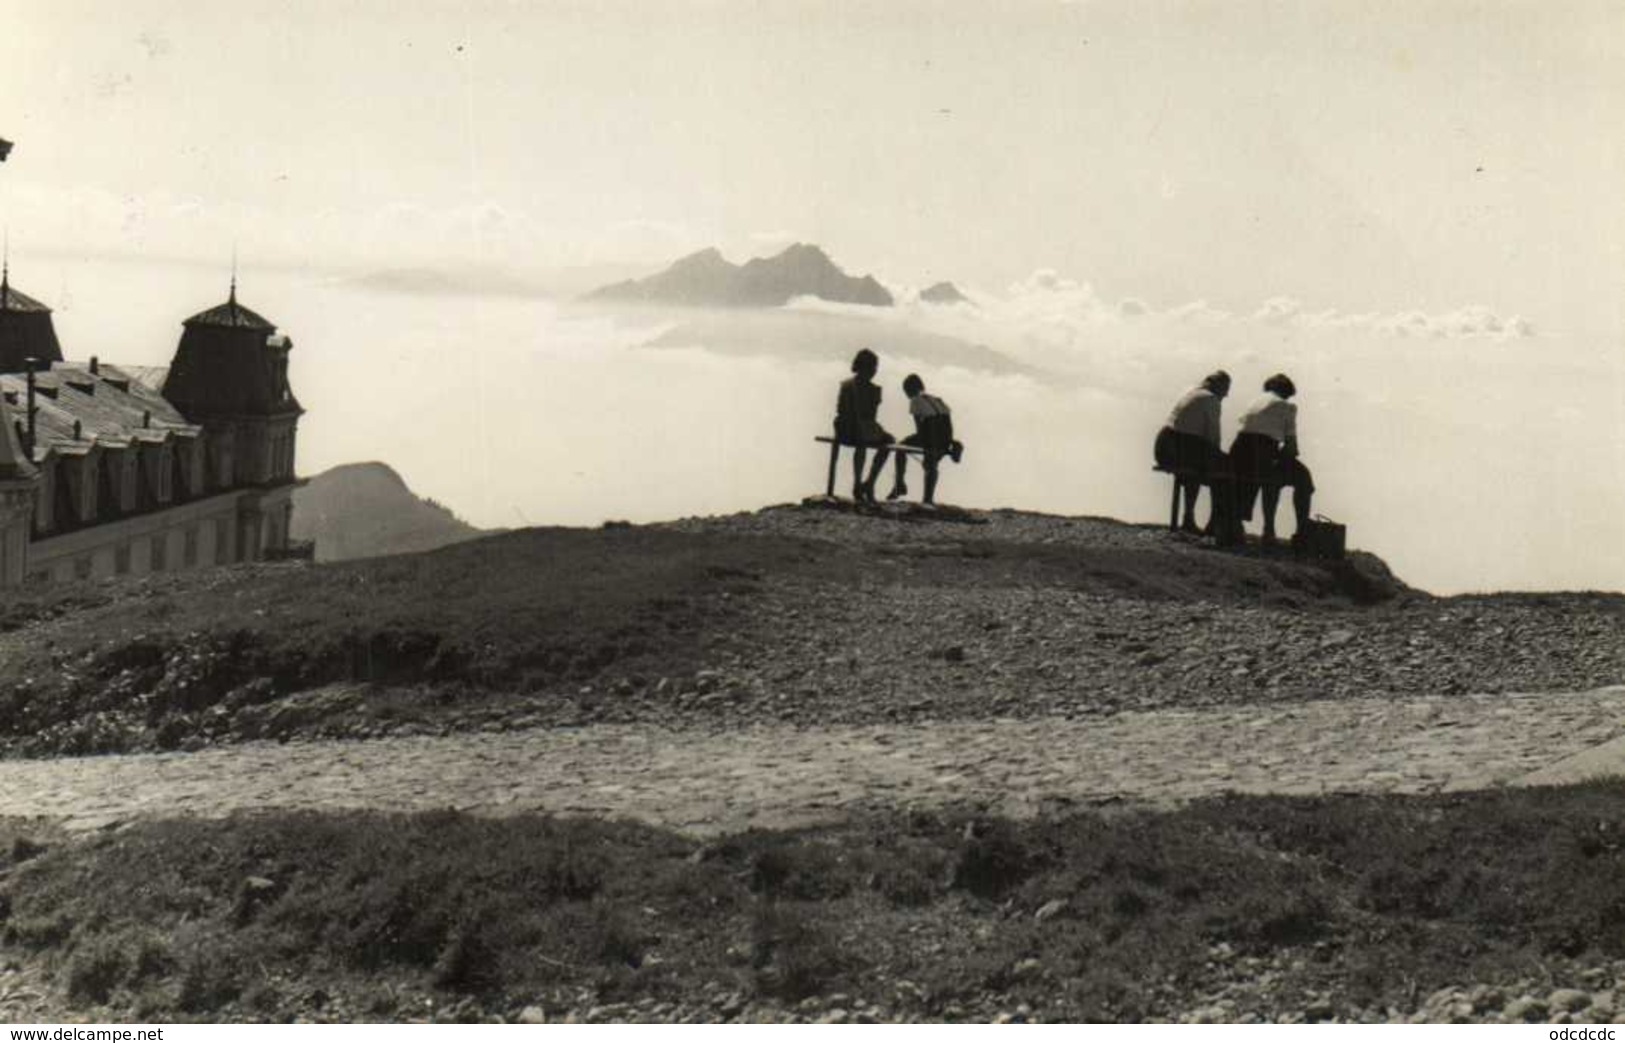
point(176, 660)
point(151, 663)
point(1091, 917)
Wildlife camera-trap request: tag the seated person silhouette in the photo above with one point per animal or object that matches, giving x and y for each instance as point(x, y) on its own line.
point(933, 432)
point(1188, 444)
point(1265, 455)
point(857, 410)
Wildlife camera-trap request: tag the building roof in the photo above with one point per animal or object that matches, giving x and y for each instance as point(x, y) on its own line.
point(26, 330)
point(16, 300)
point(112, 407)
point(232, 316)
point(230, 362)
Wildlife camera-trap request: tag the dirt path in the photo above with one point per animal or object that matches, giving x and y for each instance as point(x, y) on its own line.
point(707, 781)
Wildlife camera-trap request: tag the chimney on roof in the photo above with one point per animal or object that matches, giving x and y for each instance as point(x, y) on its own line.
point(95, 366)
point(146, 418)
point(78, 430)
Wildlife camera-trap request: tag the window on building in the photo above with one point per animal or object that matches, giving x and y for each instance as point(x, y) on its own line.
point(106, 501)
point(160, 549)
point(222, 541)
point(135, 497)
point(190, 551)
point(144, 497)
point(81, 567)
point(155, 467)
point(64, 511)
point(211, 466)
point(180, 488)
point(121, 559)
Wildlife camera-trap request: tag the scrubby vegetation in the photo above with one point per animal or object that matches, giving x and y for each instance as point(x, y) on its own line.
point(1327, 907)
point(94, 668)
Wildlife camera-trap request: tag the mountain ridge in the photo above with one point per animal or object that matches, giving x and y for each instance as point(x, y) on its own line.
point(365, 510)
point(707, 278)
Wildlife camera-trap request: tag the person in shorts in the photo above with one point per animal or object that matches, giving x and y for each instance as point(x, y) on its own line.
point(933, 433)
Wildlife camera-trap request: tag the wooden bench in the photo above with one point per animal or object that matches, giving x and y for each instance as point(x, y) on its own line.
point(835, 456)
point(1180, 475)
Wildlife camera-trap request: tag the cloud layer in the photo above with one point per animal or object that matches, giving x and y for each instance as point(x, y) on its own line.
point(1048, 299)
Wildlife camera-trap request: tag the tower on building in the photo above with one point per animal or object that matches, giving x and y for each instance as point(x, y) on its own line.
point(26, 330)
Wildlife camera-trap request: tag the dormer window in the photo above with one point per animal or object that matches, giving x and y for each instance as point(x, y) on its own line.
point(278, 345)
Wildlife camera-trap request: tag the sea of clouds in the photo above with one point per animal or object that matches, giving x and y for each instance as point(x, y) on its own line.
point(1469, 449)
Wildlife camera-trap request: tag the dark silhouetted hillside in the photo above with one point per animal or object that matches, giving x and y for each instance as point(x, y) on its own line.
point(708, 279)
point(365, 510)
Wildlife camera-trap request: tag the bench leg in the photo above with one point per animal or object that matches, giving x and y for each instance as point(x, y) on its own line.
point(834, 461)
point(1173, 508)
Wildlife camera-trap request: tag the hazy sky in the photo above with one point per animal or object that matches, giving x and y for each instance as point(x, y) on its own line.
point(1359, 155)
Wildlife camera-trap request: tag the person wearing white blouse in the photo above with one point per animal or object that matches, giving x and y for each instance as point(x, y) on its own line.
point(1188, 445)
point(1265, 455)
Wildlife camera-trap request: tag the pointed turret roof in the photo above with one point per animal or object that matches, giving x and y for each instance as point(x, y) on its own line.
point(231, 315)
point(26, 330)
point(16, 300)
point(229, 362)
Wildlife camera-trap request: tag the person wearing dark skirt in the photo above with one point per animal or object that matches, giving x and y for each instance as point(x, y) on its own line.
point(857, 424)
point(1189, 444)
point(1265, 455)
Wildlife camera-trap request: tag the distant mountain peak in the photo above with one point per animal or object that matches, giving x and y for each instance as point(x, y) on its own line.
point(706, 278)
point(710, 256)
point(362, 510)
point(943, 293)
point(804, 250)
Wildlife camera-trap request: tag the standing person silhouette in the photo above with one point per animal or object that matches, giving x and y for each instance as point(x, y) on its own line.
point(857, 424)
point(1265, 454)
point(1189, 444)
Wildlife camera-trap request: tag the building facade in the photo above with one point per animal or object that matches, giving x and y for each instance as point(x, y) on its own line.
point(112, 470)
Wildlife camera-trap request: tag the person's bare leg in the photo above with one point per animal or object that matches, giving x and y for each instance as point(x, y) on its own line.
point(859, 453)
point(931, 471)
point(875, 468)
point(899, 487)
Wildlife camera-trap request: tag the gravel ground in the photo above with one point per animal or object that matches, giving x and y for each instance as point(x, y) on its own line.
point(1007, 614)
point(1003, 614)
point(936, 630)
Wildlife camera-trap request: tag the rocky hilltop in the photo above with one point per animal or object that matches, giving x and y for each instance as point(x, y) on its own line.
point(799, 615)
point(366, 510)
point(808, 763)
point(707, 278)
